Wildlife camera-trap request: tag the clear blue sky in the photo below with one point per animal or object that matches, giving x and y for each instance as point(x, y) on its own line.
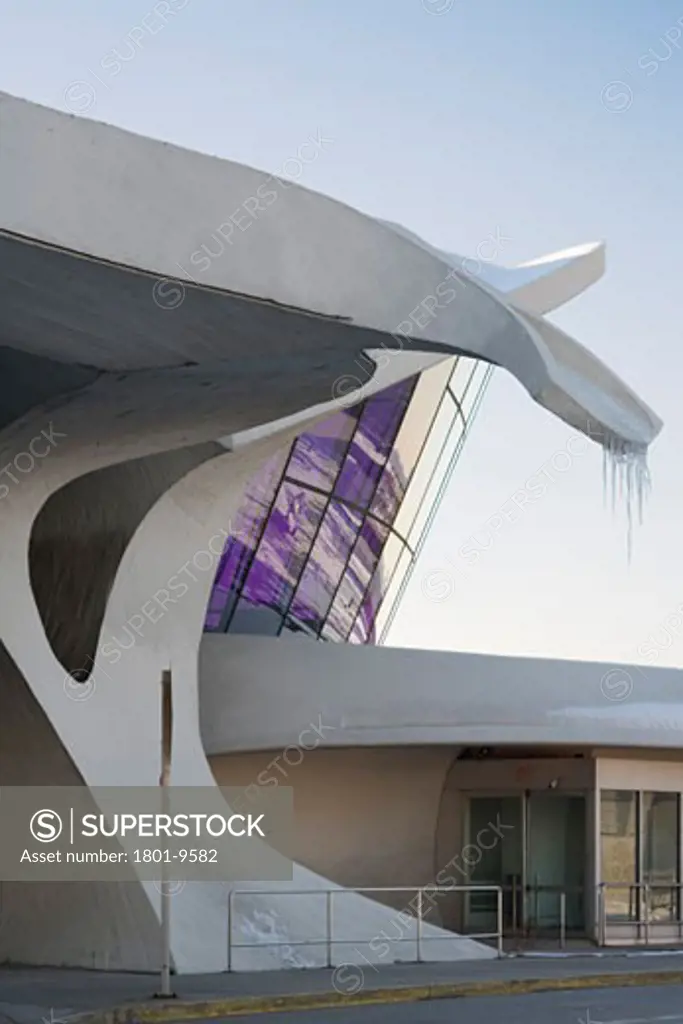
point(493, 114)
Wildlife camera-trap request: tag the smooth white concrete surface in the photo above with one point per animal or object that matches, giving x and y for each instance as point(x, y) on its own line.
point(105, 925)
point(296, 248)
point(621, 770)
point(539, 285)
point(368, 697)
point(542, 285)
point(113, 735)
point(363, 816)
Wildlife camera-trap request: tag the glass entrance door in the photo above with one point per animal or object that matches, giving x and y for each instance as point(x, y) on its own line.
point(496, 833)
point(539, 856)
point(555, 860)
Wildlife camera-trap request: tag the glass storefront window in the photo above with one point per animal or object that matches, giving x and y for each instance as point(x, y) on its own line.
point(499, 863)
point(660, 854)
point(619, 853)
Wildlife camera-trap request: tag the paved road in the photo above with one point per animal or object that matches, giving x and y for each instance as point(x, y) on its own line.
point(27, 994)
point(595, 1006)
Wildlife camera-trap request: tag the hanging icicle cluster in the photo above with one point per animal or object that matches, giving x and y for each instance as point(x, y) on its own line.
point(624, 465)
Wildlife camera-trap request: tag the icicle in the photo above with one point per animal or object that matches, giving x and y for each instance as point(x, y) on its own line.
point(604, 478)
point(629, 476)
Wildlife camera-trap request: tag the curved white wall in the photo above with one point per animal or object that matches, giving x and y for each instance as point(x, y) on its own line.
point(363, 816)
point(370, 696)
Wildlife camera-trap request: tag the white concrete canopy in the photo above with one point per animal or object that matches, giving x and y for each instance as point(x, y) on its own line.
point(297, 250)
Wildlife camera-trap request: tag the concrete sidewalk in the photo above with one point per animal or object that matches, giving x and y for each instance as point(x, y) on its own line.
point(33, 996)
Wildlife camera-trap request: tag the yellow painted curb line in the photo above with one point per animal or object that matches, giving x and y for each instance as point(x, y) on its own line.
point(179, 1010)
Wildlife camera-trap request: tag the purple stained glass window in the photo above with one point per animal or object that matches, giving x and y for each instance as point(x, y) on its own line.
point(305, 557)
point(285, 546)
point(372, 444)
point(316, 457)
point(357, 581)
point(240, 548)
point(390, 492)
point(324, 569)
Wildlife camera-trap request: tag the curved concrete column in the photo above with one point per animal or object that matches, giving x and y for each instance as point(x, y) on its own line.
point(109, 743)
point(195, 510)
point(112, 737)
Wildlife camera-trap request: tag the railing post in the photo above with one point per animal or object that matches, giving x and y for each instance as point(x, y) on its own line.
point(646, 897)
point(514, 905)
point(328, 925)
point(499, 920)
point(602, 924)
point(563, 919)
point(230, 908)
point(419, 926)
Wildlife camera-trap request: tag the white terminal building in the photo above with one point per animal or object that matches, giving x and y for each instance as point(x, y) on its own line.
point(227, 420)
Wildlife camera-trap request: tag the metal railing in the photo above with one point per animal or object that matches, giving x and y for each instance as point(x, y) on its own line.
point(521, 909)
point(525, 922)
point(637, 913)
point(639, 908)
point(421, 895)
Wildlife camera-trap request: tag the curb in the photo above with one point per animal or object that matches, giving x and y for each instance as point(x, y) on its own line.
point(237, 1006)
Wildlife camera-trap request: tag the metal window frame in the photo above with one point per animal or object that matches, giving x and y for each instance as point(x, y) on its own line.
point(467, 425)
point(228, 616)
point(416, 381)
point(332, 497)
point(446, 396)
point(328, 495)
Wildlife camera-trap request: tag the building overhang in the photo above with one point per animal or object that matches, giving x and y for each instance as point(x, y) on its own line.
point(144, 257)
point(383, 696)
